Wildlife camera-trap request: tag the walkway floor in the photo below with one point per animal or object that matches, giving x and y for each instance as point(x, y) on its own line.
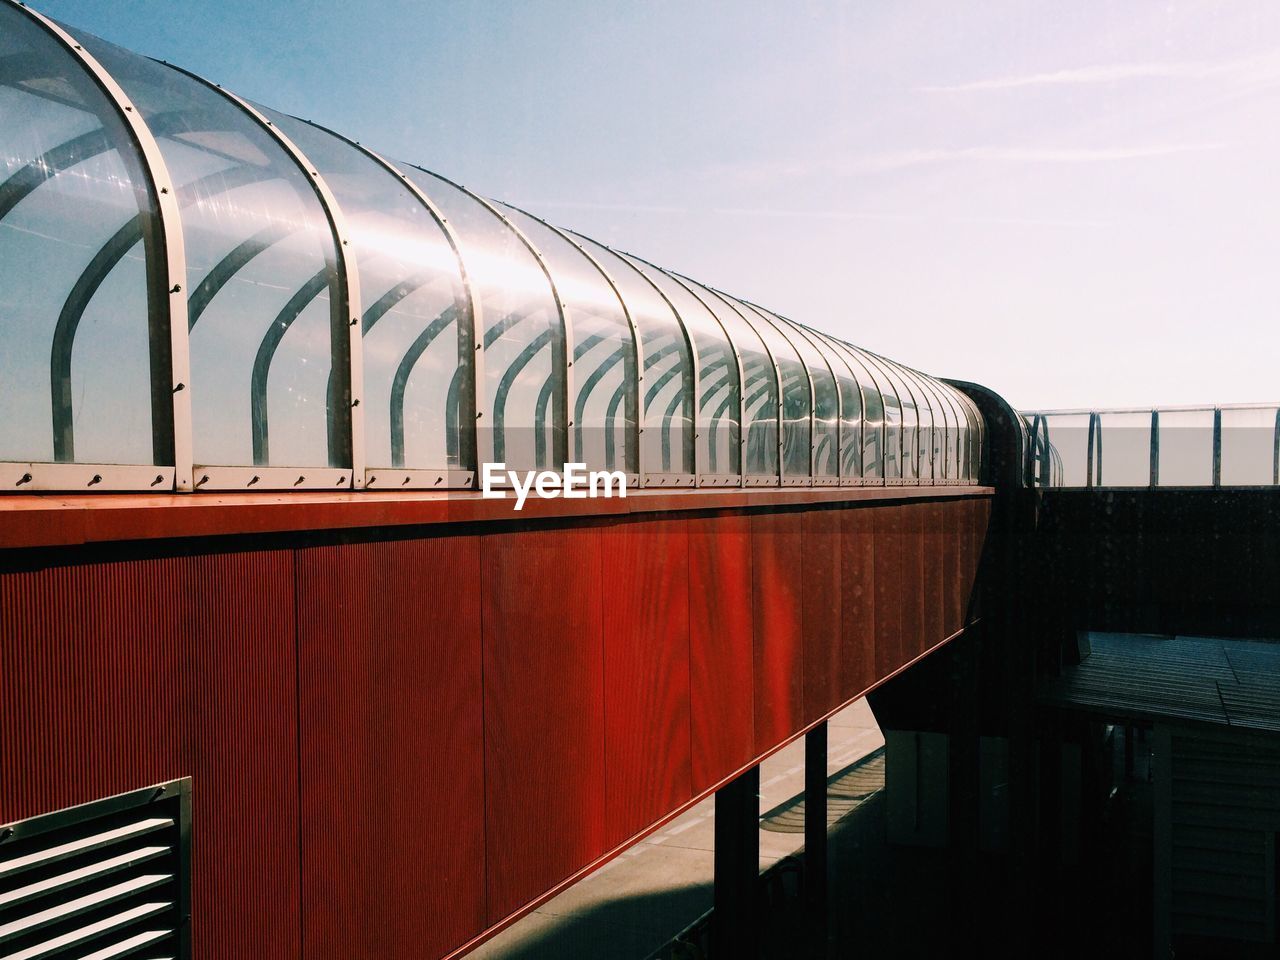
point(643, 898)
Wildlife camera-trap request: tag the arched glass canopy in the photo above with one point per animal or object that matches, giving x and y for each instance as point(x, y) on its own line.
point(197, 292)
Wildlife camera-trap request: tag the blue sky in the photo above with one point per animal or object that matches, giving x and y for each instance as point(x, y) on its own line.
point(1076, 204)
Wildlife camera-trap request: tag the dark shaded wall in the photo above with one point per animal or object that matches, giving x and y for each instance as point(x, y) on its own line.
point(396, 744)
point(1159, 561)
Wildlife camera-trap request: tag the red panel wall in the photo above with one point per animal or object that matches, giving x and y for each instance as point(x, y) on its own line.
point(890, 588)
point(245, 895)
point(912, 640)
point(777, 578)
point(648, 764)
point(721, 657)
point(392, 769)
point(543, 709)
point(114, 676)
point(858, 599)
point(821, 607)
point(932, 519)
point(396, 744)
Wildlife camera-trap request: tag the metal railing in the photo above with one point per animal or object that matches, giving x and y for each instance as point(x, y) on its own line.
point(1197, 446)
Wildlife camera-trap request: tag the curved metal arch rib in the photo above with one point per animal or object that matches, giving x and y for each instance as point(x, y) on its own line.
point(345, 419)
point(695, 373)
point(808, 379)
point(166, 267)
point(733, 347)
point(835, 381)
point(633, 413)
point(561, 367)
point(470, 322)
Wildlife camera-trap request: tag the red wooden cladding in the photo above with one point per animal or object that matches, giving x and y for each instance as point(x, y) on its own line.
point(397, 744)
point(646, 673)
point(245, 766)
point(932, 518)
point(913, 640)
point(389, 669)
point(857, 600)
point(890, 589)
point(949, 559)
point(777, 578)
point(116, 676)
point(543, 709)
point(427, 747)
point(721, 657)
point(821, 604)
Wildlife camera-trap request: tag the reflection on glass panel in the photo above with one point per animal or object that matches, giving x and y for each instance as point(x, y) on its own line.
point(1068, 433)
point(955, 424)
point(666, 442)
point(875, 422)
point(892, 415)
point(1124, 450)
point(930, 432)
point(519, 419)
point(862, 443)
point(977, 442)
point(1248, 446)
point(824, 371)
point(795, 387)
point(264, 304)
point(944, 427)
point(416, 319)
point(909, 406)
point(1186, 448)
point(719, 446)
point(760, 381)
point(603, 351)
point(77, 238)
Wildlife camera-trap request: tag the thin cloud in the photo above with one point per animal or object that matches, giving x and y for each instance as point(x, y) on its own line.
point(889, 162)
point(1261, 66)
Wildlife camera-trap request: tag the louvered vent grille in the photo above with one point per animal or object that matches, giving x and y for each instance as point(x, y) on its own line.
point(104, 881)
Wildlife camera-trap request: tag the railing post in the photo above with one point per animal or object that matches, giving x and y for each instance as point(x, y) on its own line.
point(1155, 448)
point(734, 927)
point(1217, 447)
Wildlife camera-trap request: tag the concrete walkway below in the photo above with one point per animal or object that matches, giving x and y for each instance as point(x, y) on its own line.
point(639, 901)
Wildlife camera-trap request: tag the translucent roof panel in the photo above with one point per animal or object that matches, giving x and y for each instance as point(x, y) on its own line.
point(265, 306)
point(81, 312)
point(666, 440)
point(797, 390)
point(719, 390)
point(826, 396)
point(760, 385)
point(891, 450)
point(956, 431)
point(416, 320)
point(932, 427)
point(605, 410)
point(908, 405)
point(1249, 450)
point(863, 439)
point(203, 292)
point(1185, 449)
point(520, 421)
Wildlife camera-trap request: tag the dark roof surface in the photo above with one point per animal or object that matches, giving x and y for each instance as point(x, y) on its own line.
point(1227, 682)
